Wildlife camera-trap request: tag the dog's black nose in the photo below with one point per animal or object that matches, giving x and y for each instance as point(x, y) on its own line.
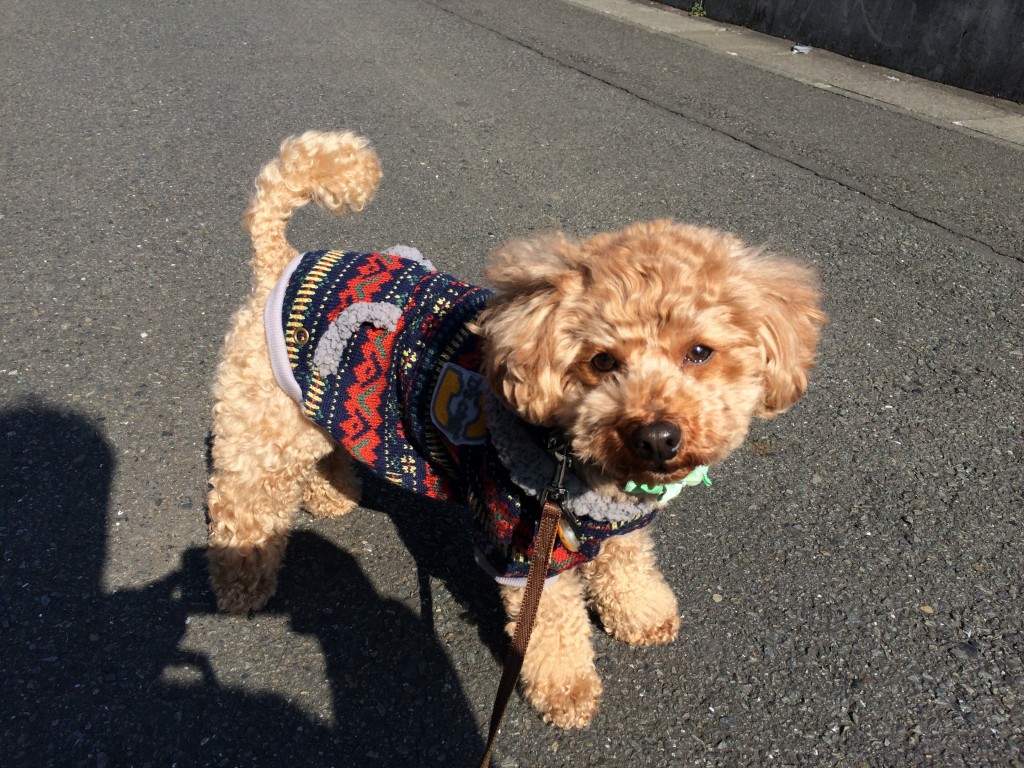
point(657, 442)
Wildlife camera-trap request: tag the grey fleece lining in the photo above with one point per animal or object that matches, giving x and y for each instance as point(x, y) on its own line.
point(379, 314)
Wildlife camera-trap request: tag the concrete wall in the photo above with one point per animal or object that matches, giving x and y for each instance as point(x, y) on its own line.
point(973, 44)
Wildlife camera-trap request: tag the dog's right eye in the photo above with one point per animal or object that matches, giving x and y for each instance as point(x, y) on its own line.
point(602, 362)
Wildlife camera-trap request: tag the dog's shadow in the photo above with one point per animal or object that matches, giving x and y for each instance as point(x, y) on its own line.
point(437, 536)
point(102, 678)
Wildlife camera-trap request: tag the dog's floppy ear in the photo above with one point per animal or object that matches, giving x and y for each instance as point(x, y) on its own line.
point(789, 320)
point(532, 264)
point(521, 332)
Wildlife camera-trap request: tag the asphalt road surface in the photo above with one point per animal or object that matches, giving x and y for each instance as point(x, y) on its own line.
point(851, 584)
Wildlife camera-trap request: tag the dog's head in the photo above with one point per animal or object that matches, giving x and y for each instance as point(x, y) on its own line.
point(650, 348)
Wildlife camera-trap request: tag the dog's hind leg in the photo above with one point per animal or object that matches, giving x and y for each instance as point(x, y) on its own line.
point(334, 488)
point(264, 451)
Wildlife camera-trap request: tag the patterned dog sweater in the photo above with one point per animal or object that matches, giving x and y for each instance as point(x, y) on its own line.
point(376, 349)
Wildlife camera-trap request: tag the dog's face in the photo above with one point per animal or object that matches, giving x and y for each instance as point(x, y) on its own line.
point(650, 348)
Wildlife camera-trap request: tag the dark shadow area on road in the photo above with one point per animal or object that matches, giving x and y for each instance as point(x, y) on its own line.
point(437, 535)
point(97, 679)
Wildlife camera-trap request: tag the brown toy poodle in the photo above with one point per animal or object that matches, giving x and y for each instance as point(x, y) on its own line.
point(647, 351)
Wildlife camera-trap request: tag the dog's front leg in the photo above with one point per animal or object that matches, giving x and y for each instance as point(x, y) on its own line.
point(559, 678)
point(631, 596)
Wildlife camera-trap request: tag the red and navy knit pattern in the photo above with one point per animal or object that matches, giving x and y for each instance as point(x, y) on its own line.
point(380, 392)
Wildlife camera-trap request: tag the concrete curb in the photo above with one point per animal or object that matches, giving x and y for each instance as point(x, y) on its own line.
point(931, 102)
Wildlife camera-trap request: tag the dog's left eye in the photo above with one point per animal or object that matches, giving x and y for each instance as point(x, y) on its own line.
point(699, 354)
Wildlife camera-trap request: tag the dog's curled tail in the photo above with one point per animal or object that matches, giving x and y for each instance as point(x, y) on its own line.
point(338, 170)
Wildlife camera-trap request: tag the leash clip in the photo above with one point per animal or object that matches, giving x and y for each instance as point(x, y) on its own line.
point(558, 448)
point(569, 530)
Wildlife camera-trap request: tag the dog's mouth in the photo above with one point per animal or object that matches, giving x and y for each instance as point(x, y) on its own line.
point(664, 474)
point(625, 468)
point(651, 453)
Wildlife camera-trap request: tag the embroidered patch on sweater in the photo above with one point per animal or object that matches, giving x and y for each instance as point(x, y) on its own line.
point(457, 408)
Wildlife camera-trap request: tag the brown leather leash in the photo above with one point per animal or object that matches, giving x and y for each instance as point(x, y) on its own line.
point(543, 545)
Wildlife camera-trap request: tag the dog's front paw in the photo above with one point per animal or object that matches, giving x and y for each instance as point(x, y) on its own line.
point(569, 702)
point(632, 598)
point(639, 613)
point(559, 676)
point(643, 632)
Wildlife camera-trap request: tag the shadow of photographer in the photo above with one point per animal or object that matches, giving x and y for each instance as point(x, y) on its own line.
point(86, 678)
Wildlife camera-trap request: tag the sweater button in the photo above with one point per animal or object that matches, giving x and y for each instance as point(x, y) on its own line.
point(300, 336)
